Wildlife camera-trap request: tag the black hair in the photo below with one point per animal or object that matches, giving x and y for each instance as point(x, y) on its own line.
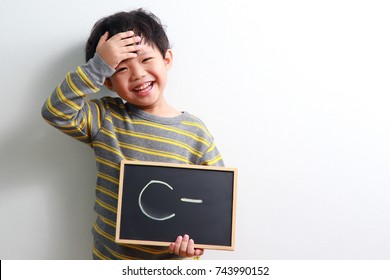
point(143, 23)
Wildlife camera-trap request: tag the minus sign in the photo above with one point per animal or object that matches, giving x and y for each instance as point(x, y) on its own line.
point(190, 200)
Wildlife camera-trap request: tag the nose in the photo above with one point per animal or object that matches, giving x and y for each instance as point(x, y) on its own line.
point(137, 71)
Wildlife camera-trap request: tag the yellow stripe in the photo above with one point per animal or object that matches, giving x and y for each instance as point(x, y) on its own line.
point(98, 254)
point(89, 120)
point(163, 127)
point(99, 122)
point(211, 148)
point(159, 139)
point(73, 87)
point(107, 162)
point(105, 205)
point(65, 100)
point(69, 131)
point(147, 249)
point(56, 112)
point(154, 152)
point(83, 123)
point(108, 118)
point(62, 115)
point(85, 79)
point(107, 192)
point(108, 148)
point(102, 233)
point(212, 161)
point(108, 133)
point(65, 127)
point(108, 178)
point(107, 221)
point(198, 125)
point(80, 137)
point(178, 131)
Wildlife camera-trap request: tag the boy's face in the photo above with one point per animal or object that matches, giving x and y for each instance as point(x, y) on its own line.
point(141, 80)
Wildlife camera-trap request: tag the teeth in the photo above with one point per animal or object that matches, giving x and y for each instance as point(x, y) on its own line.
point(144, 86)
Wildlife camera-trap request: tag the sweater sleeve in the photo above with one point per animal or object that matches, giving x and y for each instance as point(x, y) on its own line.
point(212, 157)
point(67, 108)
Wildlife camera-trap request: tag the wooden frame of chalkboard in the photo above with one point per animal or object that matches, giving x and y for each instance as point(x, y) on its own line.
point(159, 201)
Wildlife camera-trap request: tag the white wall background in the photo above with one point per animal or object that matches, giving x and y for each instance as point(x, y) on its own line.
point(296, 93)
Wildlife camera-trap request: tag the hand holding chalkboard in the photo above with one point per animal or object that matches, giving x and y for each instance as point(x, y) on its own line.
point(185, 247)
point(159, 201)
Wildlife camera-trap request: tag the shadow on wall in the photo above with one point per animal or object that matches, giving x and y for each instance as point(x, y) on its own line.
point(47, 180)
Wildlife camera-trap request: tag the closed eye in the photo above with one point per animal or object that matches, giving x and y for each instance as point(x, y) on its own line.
point(121, 70)
point(147, 59)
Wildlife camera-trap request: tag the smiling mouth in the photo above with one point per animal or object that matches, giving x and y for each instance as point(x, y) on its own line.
point(144, 88)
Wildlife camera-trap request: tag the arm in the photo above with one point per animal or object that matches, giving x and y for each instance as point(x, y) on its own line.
point(212, 157)
point(67, 108)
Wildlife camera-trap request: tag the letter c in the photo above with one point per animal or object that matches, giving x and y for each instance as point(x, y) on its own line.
point(142, 208)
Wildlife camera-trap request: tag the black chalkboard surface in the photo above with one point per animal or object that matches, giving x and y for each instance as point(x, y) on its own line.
point(159, 201)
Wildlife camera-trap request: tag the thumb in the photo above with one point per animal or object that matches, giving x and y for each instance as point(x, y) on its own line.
point(199, 252)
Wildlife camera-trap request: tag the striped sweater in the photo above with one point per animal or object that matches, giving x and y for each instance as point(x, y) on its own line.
point(117, 130)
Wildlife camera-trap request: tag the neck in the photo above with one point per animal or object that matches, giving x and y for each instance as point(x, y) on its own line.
point(168, 112)
point(163, 109)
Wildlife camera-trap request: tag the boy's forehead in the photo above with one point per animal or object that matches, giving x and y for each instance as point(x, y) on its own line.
point(146, 49)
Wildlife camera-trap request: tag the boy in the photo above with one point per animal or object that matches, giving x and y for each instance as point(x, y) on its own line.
point(128, 53)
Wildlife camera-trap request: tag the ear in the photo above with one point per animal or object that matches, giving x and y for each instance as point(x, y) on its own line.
point(109, 84)
point(168, 59)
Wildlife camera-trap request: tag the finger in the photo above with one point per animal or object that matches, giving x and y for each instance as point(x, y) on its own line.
point(177, 245)
point(122, 35)
point(130, 49)
point(191, 248)
point(198, 252)
point(135, 40)
point(171, 247)
point(103, 38)
point(127, 55)
point(184, 245)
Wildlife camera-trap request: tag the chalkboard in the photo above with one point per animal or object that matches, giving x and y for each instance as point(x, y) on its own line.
point(159, 201)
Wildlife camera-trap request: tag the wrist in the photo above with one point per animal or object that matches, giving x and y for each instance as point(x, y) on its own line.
point(98, 70)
